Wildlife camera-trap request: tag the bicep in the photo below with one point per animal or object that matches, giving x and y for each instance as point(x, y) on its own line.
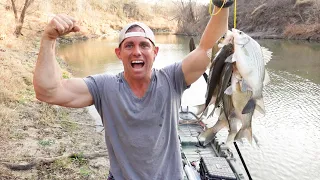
point(72, 93)
point(194, 65)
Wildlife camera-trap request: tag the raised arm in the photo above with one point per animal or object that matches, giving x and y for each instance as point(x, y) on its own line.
point(196, 62)
point(47, 80)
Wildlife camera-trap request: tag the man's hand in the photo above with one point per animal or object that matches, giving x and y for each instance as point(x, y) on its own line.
point(60, 25)
point(219, 3)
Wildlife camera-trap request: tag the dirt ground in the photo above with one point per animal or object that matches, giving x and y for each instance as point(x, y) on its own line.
point(38, 140)
point(65, 146)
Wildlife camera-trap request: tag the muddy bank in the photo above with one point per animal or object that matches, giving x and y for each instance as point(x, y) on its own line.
point(288, 19)
point(38, 140)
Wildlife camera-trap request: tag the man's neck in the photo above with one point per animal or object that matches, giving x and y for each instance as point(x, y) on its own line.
point(138, 86)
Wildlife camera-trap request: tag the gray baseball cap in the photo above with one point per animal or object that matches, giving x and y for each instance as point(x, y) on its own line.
point(147, 32)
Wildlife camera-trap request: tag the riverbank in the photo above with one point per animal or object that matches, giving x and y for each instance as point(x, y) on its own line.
point(38, 140)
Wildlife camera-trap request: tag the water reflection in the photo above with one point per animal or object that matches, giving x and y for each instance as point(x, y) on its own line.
point(297, 57)
point(90, 57)
point(98, 56)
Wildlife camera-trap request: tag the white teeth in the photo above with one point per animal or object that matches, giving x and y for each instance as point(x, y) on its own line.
point(137, 62)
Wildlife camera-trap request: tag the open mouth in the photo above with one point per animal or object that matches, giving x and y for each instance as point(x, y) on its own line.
point(137, 64)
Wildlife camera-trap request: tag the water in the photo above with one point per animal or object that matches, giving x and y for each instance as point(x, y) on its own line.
point(288, 136)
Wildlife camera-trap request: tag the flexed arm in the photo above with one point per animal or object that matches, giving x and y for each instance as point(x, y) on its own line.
point(47, 80)
point(195, 64)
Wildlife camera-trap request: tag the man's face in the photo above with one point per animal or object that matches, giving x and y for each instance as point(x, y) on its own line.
point(137, 55)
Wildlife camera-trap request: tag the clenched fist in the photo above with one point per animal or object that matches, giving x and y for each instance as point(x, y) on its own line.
point(223, 3)
point(60, 25)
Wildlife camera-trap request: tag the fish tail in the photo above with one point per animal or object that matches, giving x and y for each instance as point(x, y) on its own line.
point(249, 107)
point(204, 113)
point(244, 133)
point(231, 137)
point(200, 109)
point(207, 136)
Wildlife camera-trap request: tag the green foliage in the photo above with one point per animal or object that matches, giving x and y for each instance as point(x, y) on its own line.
point(69, 126)
point(61, 163)
point(45, 143)
point(79, 159)
point(85, 171)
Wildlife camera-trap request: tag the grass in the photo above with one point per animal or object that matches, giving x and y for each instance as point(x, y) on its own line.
point(85, 171)
point(79, 159)
point(45, 143)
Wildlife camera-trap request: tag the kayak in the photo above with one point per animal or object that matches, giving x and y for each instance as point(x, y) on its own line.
point(215, 161)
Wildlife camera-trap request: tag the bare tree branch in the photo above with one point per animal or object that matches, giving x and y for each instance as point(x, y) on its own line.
point(14, 10)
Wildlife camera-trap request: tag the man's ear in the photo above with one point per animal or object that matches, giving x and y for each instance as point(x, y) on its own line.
point(156, 50)
point(117, 51)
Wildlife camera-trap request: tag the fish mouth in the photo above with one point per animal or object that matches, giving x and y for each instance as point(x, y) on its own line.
point(137, 64)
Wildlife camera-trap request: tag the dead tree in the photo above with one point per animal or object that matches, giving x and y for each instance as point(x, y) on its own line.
point(20, 20)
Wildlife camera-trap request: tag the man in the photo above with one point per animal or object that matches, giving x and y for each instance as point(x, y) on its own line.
point(139, 106)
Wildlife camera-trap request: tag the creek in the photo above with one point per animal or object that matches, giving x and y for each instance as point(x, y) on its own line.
point(288, 136)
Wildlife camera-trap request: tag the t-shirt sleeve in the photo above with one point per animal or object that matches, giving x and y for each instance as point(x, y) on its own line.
point(175, 74)
point(94, 84)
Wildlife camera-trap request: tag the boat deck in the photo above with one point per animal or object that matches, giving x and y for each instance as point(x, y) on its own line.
point(214, 161)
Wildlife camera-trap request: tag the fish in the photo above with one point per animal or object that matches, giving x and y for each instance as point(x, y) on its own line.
point(250, 59)
point(212, 53)
point(215, 72)
point(239, 101)
point(223, 84)
point(222, 122)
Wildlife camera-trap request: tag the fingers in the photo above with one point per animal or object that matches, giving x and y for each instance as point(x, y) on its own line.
point(64, 24)
point(60, 25)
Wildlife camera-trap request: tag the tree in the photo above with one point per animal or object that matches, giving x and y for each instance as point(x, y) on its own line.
point(19, 21)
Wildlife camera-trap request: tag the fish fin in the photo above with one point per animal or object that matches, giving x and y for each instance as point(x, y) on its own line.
point(198, 109)
point(234, 57)
point(229, 59)
point(232, 115)
point(207, 136)
point(220, 45)
point(212, 112)
point(249, 107)
point(228, 91)
point(244, 133)
point(230, 138)
point(259, 111)
point(260, 106)
point(267, 54)
point(266, 78)
point(244, 86)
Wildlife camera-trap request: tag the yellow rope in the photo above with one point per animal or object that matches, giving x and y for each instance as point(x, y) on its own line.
point(234, 12)
point(210, 8)
point(235, 15)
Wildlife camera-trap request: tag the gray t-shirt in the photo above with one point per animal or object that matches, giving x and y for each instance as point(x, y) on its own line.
point(141, 133)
